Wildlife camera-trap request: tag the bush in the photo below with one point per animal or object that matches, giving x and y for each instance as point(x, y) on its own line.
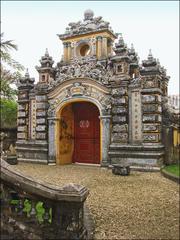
point(8, 113)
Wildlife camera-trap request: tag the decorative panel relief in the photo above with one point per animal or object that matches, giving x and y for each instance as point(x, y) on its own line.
point(22, 120)
point(136, 119)
point(82, 68)
point(151, 127)
point(119, 115)
point(41, 113)
point(151, 137)
point(32, 119)
point(152, 118)
point(151, 98)
point(120, 128)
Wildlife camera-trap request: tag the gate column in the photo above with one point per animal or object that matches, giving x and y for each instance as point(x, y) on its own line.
point(105, 121)
point(51, 141)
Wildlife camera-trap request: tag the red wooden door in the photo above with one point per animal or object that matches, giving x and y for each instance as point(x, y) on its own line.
point(86, 133)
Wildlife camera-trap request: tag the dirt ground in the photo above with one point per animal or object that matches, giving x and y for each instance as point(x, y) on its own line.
point(139, 206)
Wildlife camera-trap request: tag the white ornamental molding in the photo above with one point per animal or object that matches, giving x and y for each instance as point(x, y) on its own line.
point(78, 89)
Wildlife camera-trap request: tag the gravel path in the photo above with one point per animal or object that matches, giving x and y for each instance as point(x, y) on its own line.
point(139, 206)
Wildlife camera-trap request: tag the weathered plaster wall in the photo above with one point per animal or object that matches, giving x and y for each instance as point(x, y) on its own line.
point(66, 135)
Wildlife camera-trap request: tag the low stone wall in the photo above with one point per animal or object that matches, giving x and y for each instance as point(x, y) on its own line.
point(62, 208)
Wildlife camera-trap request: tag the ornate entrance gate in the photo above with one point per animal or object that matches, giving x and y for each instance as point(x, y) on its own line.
point(129, 96)
point(86, 133)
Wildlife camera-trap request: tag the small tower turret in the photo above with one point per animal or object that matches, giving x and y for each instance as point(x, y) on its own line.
point(134, 62)
point(121, 59)
point(26, 82)
point(25, 85)
point(46, 70)
point(153, 89)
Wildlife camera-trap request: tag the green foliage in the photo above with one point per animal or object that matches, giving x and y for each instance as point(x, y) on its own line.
point(8, 113)
point(10, 69)
point(7, 46)
point(7, 91)
point(174, 169)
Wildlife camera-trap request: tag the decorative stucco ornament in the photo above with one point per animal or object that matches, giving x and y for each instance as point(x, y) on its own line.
point(83, 69)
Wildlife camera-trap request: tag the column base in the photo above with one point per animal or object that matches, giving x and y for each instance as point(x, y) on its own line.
point(104, 164)
point(52, 161)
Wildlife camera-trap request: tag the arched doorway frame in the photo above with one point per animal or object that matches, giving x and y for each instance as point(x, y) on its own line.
point(58, 116)
point(54, 134)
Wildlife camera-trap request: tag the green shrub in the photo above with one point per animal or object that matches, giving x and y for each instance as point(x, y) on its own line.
point(8, 113)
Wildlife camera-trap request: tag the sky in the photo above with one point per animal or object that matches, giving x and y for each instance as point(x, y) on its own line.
point(34, 25)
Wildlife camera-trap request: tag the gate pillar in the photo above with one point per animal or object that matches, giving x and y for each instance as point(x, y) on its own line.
point(105, 122)
point(51, 140)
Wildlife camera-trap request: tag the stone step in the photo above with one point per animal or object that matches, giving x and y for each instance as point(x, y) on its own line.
point(117, 146)
point(135, 153)
point(142, 168)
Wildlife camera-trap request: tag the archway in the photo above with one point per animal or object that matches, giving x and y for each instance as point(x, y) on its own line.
point(78, 133)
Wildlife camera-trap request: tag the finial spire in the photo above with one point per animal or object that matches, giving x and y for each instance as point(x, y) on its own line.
point(46, 53)
point(150, 56)
point(120, 37)
point(132, 48)
point(121, 40)
point(157, 61)
point(27, 73)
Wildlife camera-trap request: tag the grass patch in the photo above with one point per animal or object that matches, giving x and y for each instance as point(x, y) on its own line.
point(173, 169)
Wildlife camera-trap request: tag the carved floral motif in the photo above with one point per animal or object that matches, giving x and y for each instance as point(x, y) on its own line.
point(83, 69)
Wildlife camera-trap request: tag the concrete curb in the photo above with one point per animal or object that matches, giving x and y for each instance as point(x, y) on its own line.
point(170, 176)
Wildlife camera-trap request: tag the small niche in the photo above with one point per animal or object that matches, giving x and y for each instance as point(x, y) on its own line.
point(43, 77)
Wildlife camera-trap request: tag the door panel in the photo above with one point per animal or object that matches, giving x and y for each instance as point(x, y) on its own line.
point(86, 133)
point(66, 135)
